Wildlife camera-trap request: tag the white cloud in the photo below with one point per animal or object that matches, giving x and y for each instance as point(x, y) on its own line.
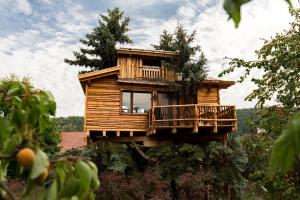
point(24, 7)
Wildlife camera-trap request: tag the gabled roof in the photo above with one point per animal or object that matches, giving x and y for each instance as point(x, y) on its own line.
point(99, 73)
point(221, 83)
point(146, 52)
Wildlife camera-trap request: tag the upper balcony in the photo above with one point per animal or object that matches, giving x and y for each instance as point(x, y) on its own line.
point(141, 64)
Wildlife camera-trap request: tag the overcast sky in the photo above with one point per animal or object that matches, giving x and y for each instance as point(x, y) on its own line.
point(36, 36)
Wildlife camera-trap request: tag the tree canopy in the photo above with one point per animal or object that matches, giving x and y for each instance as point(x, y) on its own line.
point(100, 51)
point(191, 60)
point(279, 61)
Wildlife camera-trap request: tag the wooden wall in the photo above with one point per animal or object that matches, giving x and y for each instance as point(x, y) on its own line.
point(131, 67)
point(208, 95)
point(103, 106)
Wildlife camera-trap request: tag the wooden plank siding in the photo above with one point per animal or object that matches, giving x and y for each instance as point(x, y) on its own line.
point(208, 95)
point(103, 106)
point(131, 67)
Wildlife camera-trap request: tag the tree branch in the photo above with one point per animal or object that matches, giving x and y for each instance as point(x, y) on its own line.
point(142, 153)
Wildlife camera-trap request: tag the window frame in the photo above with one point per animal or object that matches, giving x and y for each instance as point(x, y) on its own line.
point(131, 102)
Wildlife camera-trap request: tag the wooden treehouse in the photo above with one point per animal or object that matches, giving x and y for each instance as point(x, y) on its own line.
point(133, 102)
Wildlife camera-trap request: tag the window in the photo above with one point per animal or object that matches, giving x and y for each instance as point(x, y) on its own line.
point(136, 102)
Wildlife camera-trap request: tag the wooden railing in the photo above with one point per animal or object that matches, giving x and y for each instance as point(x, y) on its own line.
point(193, 116)
point(148, 72)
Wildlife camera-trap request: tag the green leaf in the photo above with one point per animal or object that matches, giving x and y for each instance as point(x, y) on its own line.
point(84, 173)
point(51, 193)
point(22, 116)
point(17, 101)
point(40, 164)
point(71, 187)
point(286, 148)
point(5, 129)
point(13, 90)
point(12, 143)
point(233, 9)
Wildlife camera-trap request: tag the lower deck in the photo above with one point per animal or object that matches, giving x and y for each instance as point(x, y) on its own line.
point(191, 123)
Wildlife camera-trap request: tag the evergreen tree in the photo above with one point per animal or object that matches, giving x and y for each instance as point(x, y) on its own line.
point(101, 42)
point(193, 70)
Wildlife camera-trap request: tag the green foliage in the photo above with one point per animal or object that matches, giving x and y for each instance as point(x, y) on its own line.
point(224, 163)
point(244, 117)
point(279, 61)
point(74, 180)
point(101, 43)
point(233, 9)
point(193, 70)
point(107, 156)
point(286, 148)
point(70, 123)
point(44, 126)
point(26, 115)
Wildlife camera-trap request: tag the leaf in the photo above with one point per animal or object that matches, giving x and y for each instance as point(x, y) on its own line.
point(233, 9)
point(51, 193)
point(12, 143)
point(71, 187)
point(40, 164)
point(84, 173)
point(5, 129)
point(286, 148)
point(13, 90)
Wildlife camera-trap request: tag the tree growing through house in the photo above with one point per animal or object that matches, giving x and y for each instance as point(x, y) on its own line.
point(191, 62)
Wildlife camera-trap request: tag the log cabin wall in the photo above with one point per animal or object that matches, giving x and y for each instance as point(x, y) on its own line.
point(103, 106)
point(208, 95)
point(132, 68)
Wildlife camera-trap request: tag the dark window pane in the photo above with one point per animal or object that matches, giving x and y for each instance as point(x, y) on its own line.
point(141, 102)
point(126, 102)
point(151, 62)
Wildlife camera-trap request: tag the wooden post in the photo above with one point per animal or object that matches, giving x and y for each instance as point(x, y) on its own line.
point(104, 133)
point(215, 119)
point(196, 119)
point(131, 133)
point(235, 117)
point(85, 108)
point(118, 133)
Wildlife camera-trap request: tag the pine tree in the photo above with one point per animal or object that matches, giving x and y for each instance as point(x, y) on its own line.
point(193, 70)
point(101, 42)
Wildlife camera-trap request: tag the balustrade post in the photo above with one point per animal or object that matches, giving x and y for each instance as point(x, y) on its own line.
point(196, 119)
point(215, 119)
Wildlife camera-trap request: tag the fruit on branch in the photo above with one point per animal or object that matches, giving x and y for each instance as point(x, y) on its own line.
point(26, 157)
point(41, 179)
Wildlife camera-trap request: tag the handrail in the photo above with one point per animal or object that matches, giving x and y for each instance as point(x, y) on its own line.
point(187, 105)
point(194, 116)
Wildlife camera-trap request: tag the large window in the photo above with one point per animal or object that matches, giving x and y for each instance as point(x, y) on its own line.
point(136, 102)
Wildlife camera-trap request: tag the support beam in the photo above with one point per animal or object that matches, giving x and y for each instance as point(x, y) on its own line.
point(131, 133)
point(118, 133)
point(104, 133)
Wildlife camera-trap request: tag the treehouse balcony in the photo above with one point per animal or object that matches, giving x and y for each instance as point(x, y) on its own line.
point(216, 118)
point(145, 65)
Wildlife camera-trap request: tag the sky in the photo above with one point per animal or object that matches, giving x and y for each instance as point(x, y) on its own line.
point(36, 36)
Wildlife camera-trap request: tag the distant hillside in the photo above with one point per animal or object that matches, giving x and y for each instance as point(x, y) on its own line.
point(244, 116)
point(71, 123)
point(75, 123)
